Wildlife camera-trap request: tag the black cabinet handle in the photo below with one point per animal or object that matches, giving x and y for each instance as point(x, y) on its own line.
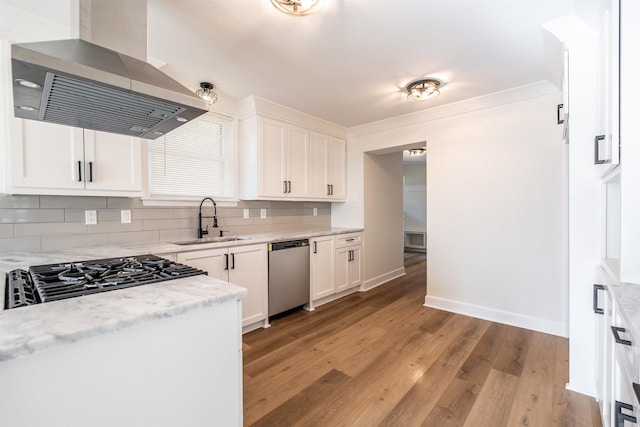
point(596, 308)
point(284, 186)
point(226, 261)
point(90, 171)
point(621, 417)
point(636, 389)
point(560, 121)
point(328, 190)
point(289, 187)
point(315, 247)
point(596, 144)
point(79, 171)
point(233, 261)
point(616, 335)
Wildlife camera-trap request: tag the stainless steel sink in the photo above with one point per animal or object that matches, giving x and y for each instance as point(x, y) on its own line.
point(211, 240)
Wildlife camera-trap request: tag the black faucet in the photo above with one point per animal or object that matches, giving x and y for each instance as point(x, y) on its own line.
point(202, 232)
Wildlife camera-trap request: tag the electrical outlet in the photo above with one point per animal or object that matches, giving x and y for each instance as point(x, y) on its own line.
point(263, 213)
point(245, 213)
point(315, 211)
point(90, 217)
point(125, 216)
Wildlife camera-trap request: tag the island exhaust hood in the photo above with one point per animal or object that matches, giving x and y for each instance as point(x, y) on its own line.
point(81, 84)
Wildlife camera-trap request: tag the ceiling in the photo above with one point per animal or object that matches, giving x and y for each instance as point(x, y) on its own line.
point(349, 62)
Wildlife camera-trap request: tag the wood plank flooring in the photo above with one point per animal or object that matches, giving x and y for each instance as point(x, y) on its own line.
point(380, 358)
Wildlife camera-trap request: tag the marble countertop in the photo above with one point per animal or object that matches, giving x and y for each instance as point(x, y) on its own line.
point(30, 329)
point(627, 298)
point(26, 330)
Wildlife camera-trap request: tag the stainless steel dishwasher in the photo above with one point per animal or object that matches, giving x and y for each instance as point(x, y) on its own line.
point(288, 275)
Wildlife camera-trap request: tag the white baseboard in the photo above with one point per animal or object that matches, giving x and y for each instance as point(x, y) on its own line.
point(367, 285)
point(500, 316)
point(581, 390)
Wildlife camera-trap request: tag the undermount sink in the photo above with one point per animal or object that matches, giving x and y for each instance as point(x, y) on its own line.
point(211, 240)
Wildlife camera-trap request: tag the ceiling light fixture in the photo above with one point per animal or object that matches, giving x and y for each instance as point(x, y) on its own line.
point(416, 152)
point(206, 93)
point(423, 89)
point(296, 7)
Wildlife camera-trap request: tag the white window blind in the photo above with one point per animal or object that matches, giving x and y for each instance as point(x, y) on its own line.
point(194, 161)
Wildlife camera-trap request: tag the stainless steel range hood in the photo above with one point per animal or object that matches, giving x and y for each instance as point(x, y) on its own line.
point(81, 84)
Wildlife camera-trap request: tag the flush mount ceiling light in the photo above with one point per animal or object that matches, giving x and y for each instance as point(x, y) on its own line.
point(423, 89)
point(296, 7)
point(416, 152)
point(206, 93)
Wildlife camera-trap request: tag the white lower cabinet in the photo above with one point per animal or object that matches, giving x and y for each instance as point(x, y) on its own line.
point(618, 372)
point(244, 266)
point(322, 267)
point(336, 266)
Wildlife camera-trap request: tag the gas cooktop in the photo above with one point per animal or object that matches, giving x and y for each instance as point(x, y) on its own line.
point(51, 282)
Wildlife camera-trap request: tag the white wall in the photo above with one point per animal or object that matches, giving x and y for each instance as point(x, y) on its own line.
point(495, 204)
point(415, 196)
point(383, 237)
point(496, 215)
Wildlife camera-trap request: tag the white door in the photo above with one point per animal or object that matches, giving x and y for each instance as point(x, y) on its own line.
point(337, 168)
point(318, 166)
point(248, 268)
point(45, 157)
point(213, 261)
point(322, 267)
point(272, 158)
point(297, 161)
point(113, 163)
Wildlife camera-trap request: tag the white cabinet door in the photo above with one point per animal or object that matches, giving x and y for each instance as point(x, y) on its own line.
point(297, 161)
point(244, 266)
point(272, 158)
point(45, 156)
point(322, 267)
point(318, 165)
point(336, 168)
point(355, 267)
point(113, 162)
point(213, 261)
point(248, 268)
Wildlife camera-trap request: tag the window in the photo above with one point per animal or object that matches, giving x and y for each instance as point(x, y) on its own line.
point(194, 161)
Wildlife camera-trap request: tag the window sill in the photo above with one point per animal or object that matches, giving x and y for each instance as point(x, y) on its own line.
point(185, 201)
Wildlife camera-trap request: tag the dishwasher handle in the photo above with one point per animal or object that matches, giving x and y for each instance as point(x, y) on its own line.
point(288, 245)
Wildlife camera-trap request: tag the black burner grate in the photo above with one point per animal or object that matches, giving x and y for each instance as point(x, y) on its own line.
point(51, 282)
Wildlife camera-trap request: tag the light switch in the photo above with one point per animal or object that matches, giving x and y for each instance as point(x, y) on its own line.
point(263, 213)
point(315, 211)
point(245, 213)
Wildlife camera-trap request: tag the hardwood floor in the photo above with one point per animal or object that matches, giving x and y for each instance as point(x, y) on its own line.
point(380, 358)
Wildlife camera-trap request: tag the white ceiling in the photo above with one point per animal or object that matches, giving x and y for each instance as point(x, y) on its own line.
point(348, 62)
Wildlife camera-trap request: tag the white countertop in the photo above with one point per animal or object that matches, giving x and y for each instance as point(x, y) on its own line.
point(26, 330)
point(627, 298)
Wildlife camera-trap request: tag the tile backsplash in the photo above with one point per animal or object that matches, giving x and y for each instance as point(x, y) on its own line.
point(47, 223)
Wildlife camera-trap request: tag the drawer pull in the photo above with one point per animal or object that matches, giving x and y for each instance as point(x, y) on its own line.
point(350, 240)
point(596, 308)
point(621, 417)
point(616, 335)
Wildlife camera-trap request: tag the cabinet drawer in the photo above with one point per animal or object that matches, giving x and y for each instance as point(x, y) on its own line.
point(350, 239)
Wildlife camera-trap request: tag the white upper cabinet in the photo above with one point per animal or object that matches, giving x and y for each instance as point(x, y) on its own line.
point(52, 159)
point(281, 161)
point(327, 167)
point(284, 152)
